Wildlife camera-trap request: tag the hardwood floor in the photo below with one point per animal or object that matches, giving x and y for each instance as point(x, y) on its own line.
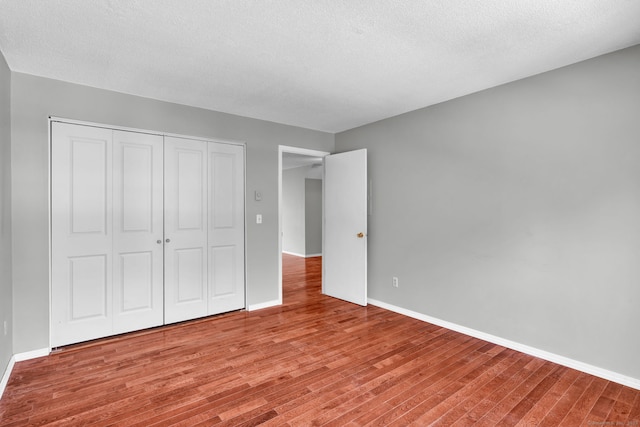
point(313, 361)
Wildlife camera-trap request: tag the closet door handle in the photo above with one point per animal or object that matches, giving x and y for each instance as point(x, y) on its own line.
point(159, 242)
point(168, 240)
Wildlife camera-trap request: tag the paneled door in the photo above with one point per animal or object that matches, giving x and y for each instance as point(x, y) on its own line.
point(185, 198)
point(345, 232)
point(137, 231)
point(226, 228)
point(81, 232)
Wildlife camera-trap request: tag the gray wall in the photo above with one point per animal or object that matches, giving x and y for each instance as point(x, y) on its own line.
point(313, 216)
point(6, 344)
point(516, 211)
point(302, 211)
point(293, 210)
point(34, 99)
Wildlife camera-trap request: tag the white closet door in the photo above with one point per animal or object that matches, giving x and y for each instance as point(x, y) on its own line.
point(185, 245)
point(138, 231)
point(81, 233)
point(226, 228)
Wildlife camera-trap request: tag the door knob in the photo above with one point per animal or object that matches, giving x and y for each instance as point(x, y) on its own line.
point(158, 241)
point(168, 240)
point(360, 235)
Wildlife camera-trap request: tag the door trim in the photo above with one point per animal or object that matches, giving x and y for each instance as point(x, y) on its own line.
point(140, 130)
point(293, 150)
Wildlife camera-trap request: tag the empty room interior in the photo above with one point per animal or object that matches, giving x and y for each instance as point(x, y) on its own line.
point(319, 213)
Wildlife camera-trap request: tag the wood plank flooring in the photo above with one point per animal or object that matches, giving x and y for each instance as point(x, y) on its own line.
point(313, 361)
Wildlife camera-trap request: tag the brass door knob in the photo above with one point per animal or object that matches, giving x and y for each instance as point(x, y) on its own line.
point(360, 235)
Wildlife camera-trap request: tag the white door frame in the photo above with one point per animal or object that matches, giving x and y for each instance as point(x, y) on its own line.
point(294, 150)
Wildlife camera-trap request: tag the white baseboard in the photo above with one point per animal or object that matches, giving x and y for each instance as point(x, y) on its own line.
point(262, 305)
point(7, 374)
point(32, 354)
point(301, 255)
point(19, 358)
point(532, 351)
point(293, 253)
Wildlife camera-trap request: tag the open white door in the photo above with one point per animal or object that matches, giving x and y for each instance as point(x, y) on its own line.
point(345, 228)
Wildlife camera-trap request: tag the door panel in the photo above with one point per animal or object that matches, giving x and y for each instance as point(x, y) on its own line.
point(189, 277)
point(81, 233)
point(138, 226)
point(88, 288)
point(136, 185)
point(345, 231)
point(226, 228)
point(185, 229)
point(222, 190)
point(190, 188)
point(89, 183)
point(223, 263)
point(136, 284)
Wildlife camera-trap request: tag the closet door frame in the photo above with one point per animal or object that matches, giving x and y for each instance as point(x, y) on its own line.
point(56, 119)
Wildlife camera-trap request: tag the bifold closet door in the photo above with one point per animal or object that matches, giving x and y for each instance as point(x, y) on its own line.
point(81, 233)
point(185, 198)
point(146, 230)
point(204, 228)
point(137, 231)
point(107, 225)
point(226, 228)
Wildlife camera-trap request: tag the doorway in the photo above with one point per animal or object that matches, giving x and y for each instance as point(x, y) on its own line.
point(300, 173)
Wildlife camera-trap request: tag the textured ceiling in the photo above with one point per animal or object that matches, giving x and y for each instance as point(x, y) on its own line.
point(322, 64)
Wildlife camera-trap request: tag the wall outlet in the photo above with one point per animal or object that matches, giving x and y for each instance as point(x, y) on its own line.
point(394, 282)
